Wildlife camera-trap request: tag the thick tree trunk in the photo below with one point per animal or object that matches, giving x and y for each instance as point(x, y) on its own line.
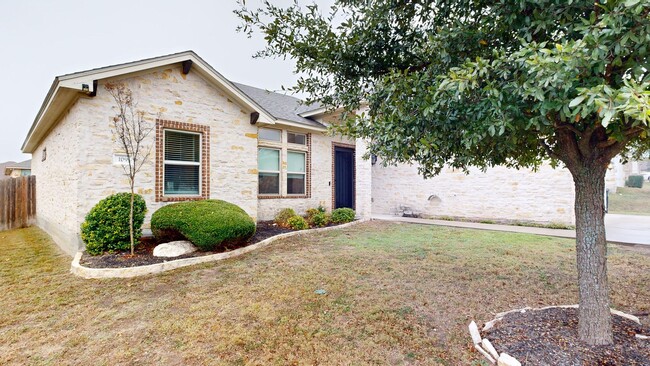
point(595, 321)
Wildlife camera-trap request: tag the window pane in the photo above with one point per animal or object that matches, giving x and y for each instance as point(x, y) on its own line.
point(181, 179)
point(269, 134)
point(297, 138)
point(269, 183)
point(295, 162)
point(181, 146)
point(268, 159)
point(295, 184)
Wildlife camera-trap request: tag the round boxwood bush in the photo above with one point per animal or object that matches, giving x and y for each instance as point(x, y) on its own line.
point(297, 223)
point(106, 228)
point(208, 224)
point(343, 215)
point(282, 217)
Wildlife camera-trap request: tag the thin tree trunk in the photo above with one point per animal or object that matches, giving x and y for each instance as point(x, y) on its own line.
point(131, 221)
point(595, 320)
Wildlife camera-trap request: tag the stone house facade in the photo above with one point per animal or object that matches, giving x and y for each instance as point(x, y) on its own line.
point(263, 151)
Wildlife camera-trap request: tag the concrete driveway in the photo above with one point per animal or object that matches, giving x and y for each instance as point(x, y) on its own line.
point(631, 229)
point(626, 229)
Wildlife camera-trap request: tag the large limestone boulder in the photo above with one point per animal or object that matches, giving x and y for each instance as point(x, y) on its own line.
point(174, 249)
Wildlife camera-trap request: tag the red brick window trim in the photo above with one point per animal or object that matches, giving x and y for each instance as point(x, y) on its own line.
point(204, 177)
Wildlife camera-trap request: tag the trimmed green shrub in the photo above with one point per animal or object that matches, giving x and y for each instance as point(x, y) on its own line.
point(297, 223)
point(208, 224)
point(320, 219)
point(634, 181)
point(343, 215)
point(106, 228)
point(282, 218)
point(313, 211)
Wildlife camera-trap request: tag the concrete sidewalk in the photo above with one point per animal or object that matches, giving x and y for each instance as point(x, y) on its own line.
point(624, 229)
point(631, 229)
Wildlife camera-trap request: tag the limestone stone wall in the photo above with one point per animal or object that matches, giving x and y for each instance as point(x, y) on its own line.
point(498, 194)
point(169, 95)
point(79, 169)
point(363, 181)
point(54, 164)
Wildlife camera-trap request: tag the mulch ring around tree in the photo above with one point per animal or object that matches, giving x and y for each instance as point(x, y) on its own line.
point(550, 337)
point(144, 251)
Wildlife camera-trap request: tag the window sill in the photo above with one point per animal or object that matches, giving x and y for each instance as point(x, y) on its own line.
point(271, 197)
point(180, 198)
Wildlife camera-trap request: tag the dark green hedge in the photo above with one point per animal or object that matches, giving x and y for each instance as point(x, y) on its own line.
point(634, 181)
point(208, 224)
point(106, 228)
point(343, 215)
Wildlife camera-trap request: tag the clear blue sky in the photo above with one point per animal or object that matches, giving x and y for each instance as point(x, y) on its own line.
point(41, 39)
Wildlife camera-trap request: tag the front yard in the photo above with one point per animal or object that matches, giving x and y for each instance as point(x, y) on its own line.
point(630, 201)
point(394, 294)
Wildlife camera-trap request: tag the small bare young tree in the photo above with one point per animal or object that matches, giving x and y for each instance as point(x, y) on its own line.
point(130, 129)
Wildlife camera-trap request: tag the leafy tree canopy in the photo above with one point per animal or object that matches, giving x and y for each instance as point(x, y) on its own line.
point(484, 83)
point(472, 82)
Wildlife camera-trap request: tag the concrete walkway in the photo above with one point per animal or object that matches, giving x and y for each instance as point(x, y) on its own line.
point(624, 229)
point(629, 229)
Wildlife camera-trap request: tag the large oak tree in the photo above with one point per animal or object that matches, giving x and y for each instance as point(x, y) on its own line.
point(484, 83)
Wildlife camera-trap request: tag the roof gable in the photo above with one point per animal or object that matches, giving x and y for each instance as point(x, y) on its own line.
point(67, 88)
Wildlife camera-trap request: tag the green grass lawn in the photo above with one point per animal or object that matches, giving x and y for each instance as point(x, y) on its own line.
point(630, 201)
point(396, 294)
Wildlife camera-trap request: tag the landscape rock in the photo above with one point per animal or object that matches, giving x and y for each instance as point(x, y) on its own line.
point(501, 315)
point(507, 360)
point(487, 345)
point(484, 353)
point(473, 331)
point(489, 325)
point(626, 316)
point(174, 249)
point(641, 336)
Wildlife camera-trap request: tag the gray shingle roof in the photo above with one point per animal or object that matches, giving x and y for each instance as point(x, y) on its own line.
point(27, 164)
point(279, 105)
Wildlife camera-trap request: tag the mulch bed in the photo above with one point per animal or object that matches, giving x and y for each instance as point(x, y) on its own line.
point(550, 337)
point(144, 252)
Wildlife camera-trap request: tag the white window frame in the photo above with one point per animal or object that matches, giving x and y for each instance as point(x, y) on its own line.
point(279, 172)
point(186, 163)
point(272, 129)
point(296, 133)
point(304, 174)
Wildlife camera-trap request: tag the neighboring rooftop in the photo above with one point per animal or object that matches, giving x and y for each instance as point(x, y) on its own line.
point(11, 165)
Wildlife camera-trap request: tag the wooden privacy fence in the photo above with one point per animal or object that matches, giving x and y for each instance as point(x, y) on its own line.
point(17, 202)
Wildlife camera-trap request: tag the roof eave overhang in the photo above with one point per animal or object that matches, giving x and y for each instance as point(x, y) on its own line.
point(314, 112)
point(285, 122)
point(83, 83)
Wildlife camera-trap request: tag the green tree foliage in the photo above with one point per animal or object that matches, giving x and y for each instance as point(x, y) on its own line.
point(483, 83)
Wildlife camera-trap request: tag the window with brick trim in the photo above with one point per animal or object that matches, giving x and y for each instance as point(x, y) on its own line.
point(182, 161)
point(284, 163)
